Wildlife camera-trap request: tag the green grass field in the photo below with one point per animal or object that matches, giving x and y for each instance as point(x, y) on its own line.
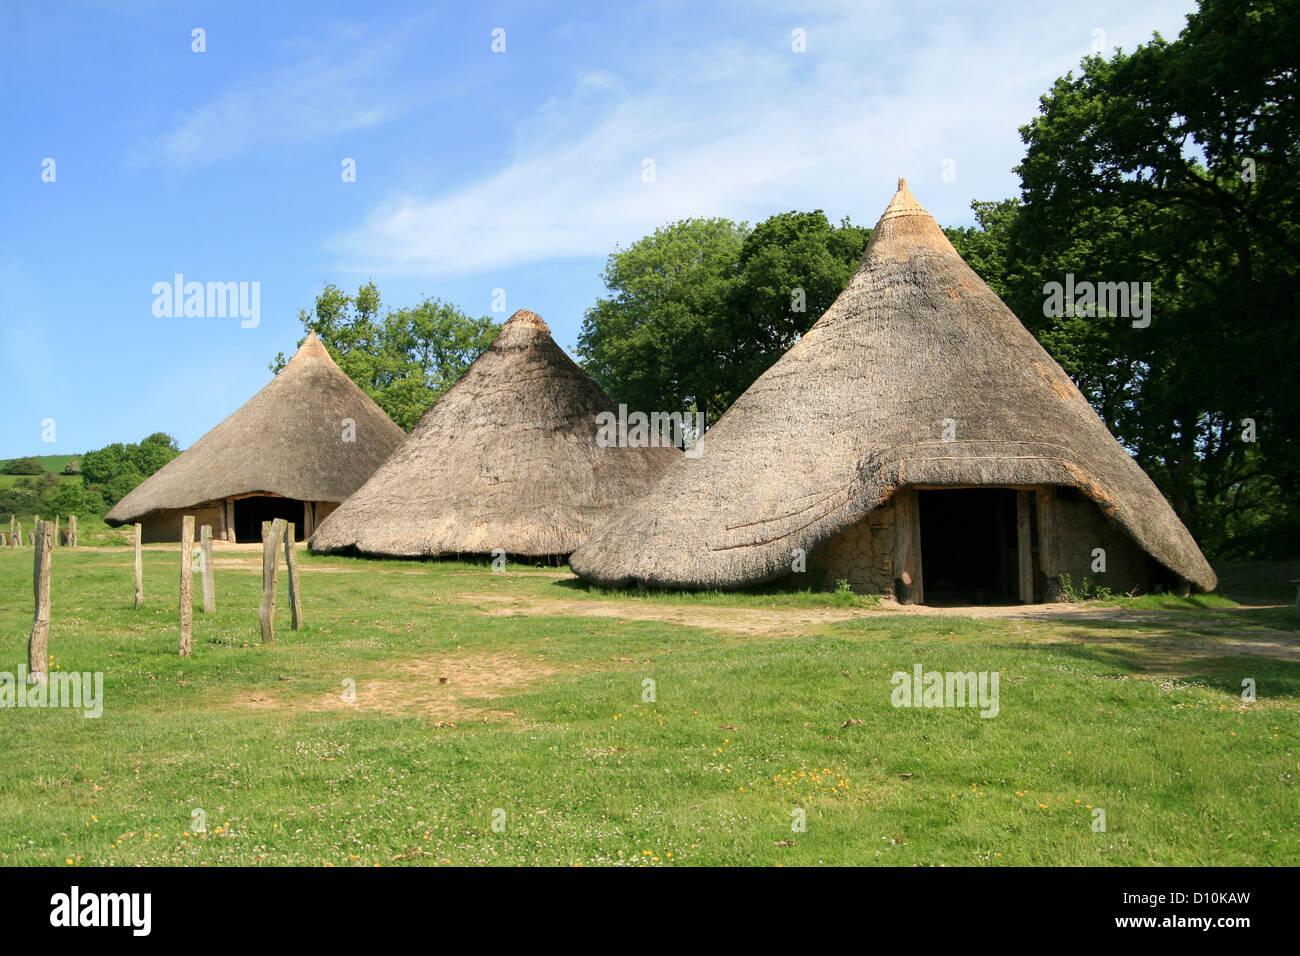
point(764, 705)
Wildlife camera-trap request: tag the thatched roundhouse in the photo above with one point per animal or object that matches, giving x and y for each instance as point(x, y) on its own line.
point(295, 450)
point(916, 442)
point(506, 459)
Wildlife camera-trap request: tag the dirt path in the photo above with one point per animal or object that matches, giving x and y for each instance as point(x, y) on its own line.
point(776, 619)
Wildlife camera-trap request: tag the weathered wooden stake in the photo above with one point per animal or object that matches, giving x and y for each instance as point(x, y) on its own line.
point(72, 531)
point(291, 565)
point(209, 588)
point(139, 568)
point(38, 647)
point(187, 584)
point(56, 531)
point(16, 539)
point(272, 536)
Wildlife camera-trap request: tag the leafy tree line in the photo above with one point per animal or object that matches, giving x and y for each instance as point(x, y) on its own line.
point(108, 474)
point(1174, 165)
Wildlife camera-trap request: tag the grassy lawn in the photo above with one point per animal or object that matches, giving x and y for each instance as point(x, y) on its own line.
point(765, 704)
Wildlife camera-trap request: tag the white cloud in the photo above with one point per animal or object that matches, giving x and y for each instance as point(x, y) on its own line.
point(745, 129)
point(334, 86)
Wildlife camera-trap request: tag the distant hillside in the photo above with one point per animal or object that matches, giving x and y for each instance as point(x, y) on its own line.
point(51, 463)
point(54, 463)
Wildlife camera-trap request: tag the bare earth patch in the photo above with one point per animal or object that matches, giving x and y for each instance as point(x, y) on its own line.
point(748, 620)
point(1165, 637)
point(441, 688)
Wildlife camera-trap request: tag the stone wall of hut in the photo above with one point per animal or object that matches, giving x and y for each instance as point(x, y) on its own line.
point(862, 554)
point(165, 526)
point(1081, 528)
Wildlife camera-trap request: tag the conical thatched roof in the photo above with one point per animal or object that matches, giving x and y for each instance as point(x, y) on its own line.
point(855, 410)
point(289, 439)
point(507, 458)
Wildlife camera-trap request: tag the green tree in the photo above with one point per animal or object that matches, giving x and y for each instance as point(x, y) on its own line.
point(1176, 165)
point(23, 466)
point(702, 307)
point(792, 266)
point(654, 342)
point(111, 472)
point(404, 359)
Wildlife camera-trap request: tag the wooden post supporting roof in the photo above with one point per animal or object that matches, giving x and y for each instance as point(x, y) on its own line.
point(1025, 542)
point(1048, 554)
point(908, 586)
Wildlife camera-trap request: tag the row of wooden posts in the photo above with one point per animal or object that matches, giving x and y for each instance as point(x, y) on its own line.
point(14, 537)
point(276, 534)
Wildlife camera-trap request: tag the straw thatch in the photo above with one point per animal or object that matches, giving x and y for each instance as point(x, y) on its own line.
point(856, 409)
point(290, 439)
point(507, 459)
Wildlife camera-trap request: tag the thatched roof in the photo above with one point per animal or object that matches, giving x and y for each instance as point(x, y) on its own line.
point(855, 410)
point(507, 458)
point(287, 440)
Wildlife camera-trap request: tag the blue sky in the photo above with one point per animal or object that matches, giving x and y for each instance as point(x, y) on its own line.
point(475, 170)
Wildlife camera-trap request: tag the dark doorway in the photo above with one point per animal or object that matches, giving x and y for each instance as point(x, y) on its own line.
point(251, 512)
point(969, 550)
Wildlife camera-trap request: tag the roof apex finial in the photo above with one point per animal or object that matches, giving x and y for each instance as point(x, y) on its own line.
point(902, 183)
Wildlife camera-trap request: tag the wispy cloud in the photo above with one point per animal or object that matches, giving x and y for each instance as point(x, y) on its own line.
point(333, 86)
point(747, 128)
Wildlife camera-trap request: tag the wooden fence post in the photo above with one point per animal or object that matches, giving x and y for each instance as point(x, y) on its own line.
point(56, 530)
point(16, 539)
point(187, 584)
point(291, 565)
point(72, 531)
point(272, 535)
point(205, 557)
point(38, 647)
point(139, 569)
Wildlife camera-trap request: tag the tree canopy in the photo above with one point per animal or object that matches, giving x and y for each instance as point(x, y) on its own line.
point(1177, 165)
point(403, 359)
point(702, 307)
